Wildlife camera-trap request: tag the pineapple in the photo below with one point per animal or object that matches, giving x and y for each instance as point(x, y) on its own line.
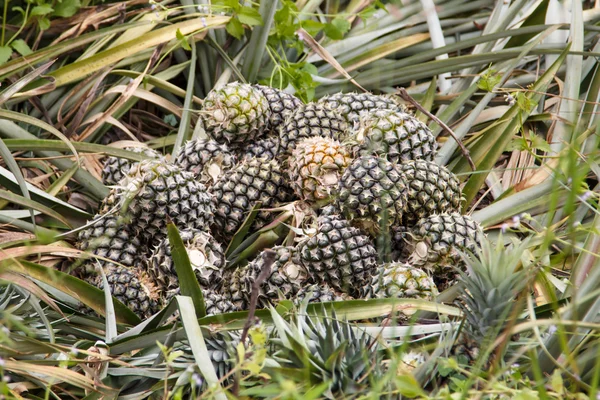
point(320, 294)
point(235, 114)
point(316, 166)
point(216, 303)
point(353, 105)
point(311, 120)
point(372, 193)
point(206, 159)
point(339, 255)
point(110, 237)
point(155, 192)
point(493, 280)
point(432, 189)
point(115, 168)
point(132, 287)
point(286, 279)
point(435, 240)
point(401, 281)
point(206, 256)
point(241, 188)
point(396, 135)
point(281, 105)
point(267, 148)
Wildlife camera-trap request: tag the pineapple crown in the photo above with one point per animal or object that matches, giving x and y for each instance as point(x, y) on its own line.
point(495, 276)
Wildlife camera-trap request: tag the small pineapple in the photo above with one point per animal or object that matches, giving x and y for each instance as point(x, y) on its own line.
point(217, 303)
point(401, 281)
point(435, 240)
point(132, 287)
point(266, 148)
point(241, 188)
point(373, 193)
point(432, 189)
point(281, 105)
point(206, 159)
point(310, 120)
point(316, 166)
point(206, 256)
point(339, 255)
point(235, 114)
point(395, 135)
point(155, 192)
point(285, 279)
point(116, 168)
point(353, 105)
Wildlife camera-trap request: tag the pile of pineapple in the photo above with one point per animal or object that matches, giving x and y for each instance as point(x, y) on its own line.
point(384, 218)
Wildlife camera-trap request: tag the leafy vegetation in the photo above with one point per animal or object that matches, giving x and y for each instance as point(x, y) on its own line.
point(517, 82)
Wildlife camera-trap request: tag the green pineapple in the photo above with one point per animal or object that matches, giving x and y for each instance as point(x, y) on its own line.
point(206, 159)
point(373, 193)
point(241, 188)
point(339, 255)
point(155, 192)
point(401, 281)
point(434, 242)
point(116, 168)
point(432, 189)
point(206, 257)
point(310, 120)
point(235, 114)
point(354, 105)
point(281, 105)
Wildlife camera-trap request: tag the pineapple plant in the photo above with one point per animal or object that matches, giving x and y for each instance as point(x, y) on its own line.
point(116, 168)
point(373, 193)
point(235, 114)
point(206, 257)
point(400, 280)
point(281, 105)
point(395, 135)
point(206, 159)
point(241, 188)
point(310, 120)
point(285, 279)
point(355, 105)
point(339, 255)
point(432, 189)
point(316, 166)
point(494, 278)
point(155, 192)
point(435, 241)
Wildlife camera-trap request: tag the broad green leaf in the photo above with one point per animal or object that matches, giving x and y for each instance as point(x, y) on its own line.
point(21, 47)
point(66, 8)
point(188, 283)
point(250, 16)
point(537, 17)
point(5, 53)
point(42, 9)
point(235, 28)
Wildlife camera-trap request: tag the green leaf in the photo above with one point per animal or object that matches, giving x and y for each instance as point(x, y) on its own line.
point(537, 17)
point(336, 28)
point(66, 8)
point(5, 53)
point(312, 27)
point(249, 16)
point(43, 9)
point(408, 386)
point(235, 28)
point(21, 47)
point(188, 283)
point(489, 79)
point(183, 40)
point(44, 23)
